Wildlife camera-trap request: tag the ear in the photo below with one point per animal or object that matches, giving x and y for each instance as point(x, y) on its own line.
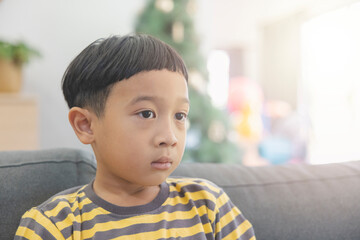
point(81, 121)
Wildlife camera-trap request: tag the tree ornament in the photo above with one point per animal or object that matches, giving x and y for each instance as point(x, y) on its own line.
point(216, 131)
point(197, 81)
point(165, 5)
point(191, 7)
point(177, 32)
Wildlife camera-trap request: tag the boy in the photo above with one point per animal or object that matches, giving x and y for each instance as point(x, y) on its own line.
point(128, 98)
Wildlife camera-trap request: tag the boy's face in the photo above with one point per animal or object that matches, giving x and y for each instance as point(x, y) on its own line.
point(141, 136)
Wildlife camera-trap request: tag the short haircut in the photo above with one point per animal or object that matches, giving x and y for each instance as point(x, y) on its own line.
point(89, 78)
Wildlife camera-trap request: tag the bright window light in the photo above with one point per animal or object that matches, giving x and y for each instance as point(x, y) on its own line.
point(218, 67)
point(331, 80)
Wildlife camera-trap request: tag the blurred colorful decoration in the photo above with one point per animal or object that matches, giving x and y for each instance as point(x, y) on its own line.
point(269, 131)
point(245, 103)
point(276, 149)
point(284, 138)
point(209, 127)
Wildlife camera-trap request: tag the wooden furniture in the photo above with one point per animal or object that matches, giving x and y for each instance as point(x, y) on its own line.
point(18, 122)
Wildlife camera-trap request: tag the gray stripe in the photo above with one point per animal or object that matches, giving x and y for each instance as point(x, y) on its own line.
point(37, 228)
point(231, 226)
point(192, 188)
point(224, 209)
point(199, 236)
point(78, 199)
point(67, 232)
point(85, 208)
point(248, 234)
point(170, 209)
point(50, 204)
point(63, 213)
point(186, 207)
point(150, 227)
point(155, 204)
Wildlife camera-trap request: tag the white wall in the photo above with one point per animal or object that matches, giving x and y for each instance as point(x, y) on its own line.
point(238, 23)
point(60, 29)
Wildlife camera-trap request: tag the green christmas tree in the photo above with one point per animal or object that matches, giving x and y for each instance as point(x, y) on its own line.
point(172, 21)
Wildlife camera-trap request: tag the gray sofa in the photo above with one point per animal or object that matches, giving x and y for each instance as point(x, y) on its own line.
point(282, 202)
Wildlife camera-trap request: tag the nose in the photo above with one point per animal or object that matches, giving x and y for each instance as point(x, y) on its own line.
point(165, 135)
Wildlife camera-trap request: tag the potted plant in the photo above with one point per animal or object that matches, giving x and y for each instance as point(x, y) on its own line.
point(12, 58)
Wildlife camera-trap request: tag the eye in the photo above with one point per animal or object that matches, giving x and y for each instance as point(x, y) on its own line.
point(147, 114)
point(180, 116)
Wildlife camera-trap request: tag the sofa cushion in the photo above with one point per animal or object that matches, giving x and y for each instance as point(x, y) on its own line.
point(28, 178)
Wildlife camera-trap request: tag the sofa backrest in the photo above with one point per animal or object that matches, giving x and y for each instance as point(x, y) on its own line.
point(28, 178)
point(292, 202)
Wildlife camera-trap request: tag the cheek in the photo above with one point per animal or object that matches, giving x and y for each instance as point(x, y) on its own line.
point(115, 136)
point(181, 139)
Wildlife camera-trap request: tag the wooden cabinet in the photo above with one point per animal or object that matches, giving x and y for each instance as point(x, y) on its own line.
point(18, 122)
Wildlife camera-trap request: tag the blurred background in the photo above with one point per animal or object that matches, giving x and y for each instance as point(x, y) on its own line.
point(271, 81)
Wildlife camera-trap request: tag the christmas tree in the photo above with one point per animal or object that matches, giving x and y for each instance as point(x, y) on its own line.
point(208, 134)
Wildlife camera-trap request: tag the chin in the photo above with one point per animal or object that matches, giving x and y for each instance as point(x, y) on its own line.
point(155, 180)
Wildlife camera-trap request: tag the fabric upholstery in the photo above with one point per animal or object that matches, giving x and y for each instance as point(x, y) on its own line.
point(294, 201)
point(282, 202)
point(28, 178)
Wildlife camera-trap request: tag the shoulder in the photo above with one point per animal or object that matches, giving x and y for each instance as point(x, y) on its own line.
point(195, 185)
point(42, 222)
point(61, 202)
point(199, 188)
point(68, 196)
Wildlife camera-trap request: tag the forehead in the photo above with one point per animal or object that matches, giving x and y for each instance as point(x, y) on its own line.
point(157, 84)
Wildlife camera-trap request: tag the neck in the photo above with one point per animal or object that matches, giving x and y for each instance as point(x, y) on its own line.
point(123, 193)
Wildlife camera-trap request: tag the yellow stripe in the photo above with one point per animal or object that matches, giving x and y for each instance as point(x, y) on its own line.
point(44, 222)
point(203, 194)
point(71, 197)
point(227, 218)
point(189, 181)
point(81, 204)
point(75, 235)
point(125, 223)
point(253, 238)
point(170, 233)
point(93, 213)
point(27, 233)
point(145, 219)
point(240, 230)
point(222, 200)
point(70, 219)
point(169, 202)
point(55, 211)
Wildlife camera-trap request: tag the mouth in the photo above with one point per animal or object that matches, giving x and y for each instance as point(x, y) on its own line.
point(163, 163)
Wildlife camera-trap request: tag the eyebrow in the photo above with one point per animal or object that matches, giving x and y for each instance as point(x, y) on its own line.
point(153, 99)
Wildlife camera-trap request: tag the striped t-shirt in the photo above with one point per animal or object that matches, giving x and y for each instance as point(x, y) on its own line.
point(183, 209)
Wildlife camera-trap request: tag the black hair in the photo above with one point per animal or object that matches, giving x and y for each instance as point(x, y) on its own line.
point(89, 78)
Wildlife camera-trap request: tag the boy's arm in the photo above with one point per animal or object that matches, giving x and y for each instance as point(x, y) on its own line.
point(230, 224)
point(35, 225)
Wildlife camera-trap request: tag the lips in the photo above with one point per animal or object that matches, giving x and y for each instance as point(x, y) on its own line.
point(163, 163)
